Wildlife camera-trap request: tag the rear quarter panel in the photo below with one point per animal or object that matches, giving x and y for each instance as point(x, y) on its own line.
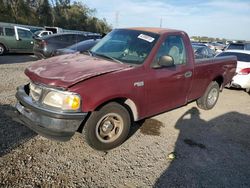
point(208, 70)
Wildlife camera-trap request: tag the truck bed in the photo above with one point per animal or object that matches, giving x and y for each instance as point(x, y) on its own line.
point(204, 73)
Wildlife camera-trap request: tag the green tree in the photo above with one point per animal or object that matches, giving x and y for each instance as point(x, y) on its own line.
point(60, 13)
point(44, 13)
point(5, 14)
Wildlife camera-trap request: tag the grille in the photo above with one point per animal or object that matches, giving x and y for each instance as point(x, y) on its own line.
point(35, 91)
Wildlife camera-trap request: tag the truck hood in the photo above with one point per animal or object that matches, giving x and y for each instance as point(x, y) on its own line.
point(67, 70)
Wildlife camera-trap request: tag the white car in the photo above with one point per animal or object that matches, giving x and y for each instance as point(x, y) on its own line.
point(42, 33)
point(242, 77)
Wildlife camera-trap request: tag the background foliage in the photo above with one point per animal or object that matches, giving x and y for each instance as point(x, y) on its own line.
point(60, 13)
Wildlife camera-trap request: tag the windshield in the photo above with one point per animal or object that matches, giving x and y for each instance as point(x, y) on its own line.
point(37, 32)
point(126, 46)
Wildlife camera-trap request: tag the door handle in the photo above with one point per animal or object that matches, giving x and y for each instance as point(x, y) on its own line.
point(188, 74)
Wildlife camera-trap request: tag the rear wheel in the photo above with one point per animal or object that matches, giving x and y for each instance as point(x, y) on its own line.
point(248, 90)
point(108, 127)
point(210, 97)
point(2, 49)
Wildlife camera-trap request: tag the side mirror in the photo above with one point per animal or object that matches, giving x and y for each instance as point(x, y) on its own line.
point(166, 61)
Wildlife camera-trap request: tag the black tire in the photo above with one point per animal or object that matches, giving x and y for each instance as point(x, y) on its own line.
point(248, 90)
point(210, 97)
point(2, 49)
point(102, 130)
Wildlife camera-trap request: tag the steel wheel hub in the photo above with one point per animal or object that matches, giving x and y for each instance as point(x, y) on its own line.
point(212, 96)
point(109, 127)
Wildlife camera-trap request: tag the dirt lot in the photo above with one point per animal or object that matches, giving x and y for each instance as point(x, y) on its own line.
point(211, 148)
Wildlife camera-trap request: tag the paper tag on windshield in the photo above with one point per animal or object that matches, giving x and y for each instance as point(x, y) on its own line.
point(146, 38)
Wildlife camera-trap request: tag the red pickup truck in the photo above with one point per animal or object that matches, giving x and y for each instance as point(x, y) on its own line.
point(129, 75)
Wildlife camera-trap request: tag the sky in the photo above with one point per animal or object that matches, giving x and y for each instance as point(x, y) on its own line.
point(228, 19)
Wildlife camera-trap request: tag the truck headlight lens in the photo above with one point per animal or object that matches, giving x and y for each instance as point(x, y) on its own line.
point(63, 100)
point(35, 91)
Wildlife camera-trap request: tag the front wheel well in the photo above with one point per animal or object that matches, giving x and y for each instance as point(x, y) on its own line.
point(127, 103)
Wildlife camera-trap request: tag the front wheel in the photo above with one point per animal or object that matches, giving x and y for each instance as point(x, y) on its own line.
point(210, 97)
point(108, 127)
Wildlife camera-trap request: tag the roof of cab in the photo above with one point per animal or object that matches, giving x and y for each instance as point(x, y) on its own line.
point(154, 29)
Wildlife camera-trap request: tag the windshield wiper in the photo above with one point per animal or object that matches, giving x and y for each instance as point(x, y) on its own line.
point(106, 56)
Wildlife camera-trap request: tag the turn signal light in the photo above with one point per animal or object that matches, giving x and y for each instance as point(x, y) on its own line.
point(73, 102)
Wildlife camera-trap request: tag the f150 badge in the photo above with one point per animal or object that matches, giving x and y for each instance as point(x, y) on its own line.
point(139, 84)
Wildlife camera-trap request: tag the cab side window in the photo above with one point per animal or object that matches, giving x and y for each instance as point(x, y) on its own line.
point(173, 46)
point(9, 32)
point(24, 33)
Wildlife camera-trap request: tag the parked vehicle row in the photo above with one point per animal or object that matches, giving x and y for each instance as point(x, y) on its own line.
point(219, 47)
point(215, 46)
point(202, 51)
point(43, 43)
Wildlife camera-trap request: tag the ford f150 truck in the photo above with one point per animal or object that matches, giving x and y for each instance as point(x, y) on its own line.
point(131, 74)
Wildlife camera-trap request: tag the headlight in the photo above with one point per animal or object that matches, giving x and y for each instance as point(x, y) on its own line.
point(35, 91)
point(63, 100)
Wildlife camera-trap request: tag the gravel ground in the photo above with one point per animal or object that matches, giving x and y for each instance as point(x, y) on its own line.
point(186, 147)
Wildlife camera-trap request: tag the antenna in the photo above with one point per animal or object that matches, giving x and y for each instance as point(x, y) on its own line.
point(117, 19)
point(161, 22)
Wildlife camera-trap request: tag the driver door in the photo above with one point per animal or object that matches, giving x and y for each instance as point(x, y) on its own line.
point(167, 87)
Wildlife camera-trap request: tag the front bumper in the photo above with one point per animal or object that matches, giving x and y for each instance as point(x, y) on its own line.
point(51, 124)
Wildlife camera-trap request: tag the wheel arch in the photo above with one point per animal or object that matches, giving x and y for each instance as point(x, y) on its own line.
point(219, 79)
point(128, 103)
